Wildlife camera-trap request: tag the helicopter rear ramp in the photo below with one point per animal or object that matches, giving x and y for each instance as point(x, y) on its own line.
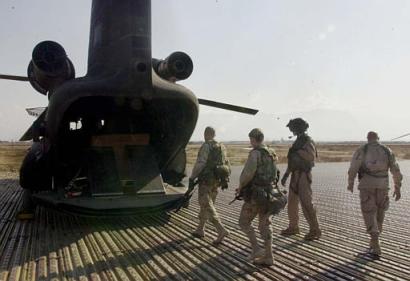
point(57, 246)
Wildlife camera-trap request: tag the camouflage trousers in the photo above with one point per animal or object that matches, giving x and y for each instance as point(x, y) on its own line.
point(248, 213)
point(374, 202)
point(206, 197)
point(300, 190)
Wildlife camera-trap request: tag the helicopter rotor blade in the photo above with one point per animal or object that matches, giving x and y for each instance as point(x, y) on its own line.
point(227, 106)
point(35, 111)
point(14, 77)
point(405, 135)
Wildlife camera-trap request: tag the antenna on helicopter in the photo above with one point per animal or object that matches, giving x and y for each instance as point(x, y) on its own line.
point(405, 135)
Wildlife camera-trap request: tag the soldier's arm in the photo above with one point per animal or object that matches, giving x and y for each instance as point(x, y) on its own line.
point(308, 152)
point(200, 161)
point(395, 171)
point(355, 164)
point(249, 170)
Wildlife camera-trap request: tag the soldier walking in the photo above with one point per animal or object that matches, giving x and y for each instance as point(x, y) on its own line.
point(212, 155)
point(301, 157)
point(372, 162)
point(256, 185)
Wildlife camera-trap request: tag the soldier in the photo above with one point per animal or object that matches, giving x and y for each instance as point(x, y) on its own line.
point(210, 156)
point(256, 185)
point(301, 158)
point(372, 162)
point(35, 171)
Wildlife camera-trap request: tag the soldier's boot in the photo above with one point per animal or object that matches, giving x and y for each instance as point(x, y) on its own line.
point(27, 209)
point(380, 226)
point(314, 231)
point(313, 234)
point(200, 230)
point(374, 248)
point(257, 251)
point(222, 233)
point(290, 231)
point(267, 258)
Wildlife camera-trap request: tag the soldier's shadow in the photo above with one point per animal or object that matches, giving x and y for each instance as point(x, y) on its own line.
point(350, 268)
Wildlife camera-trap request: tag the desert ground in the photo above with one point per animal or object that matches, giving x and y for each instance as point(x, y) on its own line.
point(12, 154)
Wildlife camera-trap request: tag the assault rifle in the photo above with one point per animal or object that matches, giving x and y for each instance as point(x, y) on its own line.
point(245, 188)
point(184, 201)
point(241, 194)
point(238, 197)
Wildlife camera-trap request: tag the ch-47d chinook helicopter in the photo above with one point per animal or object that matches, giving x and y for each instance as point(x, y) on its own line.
point(118, 134)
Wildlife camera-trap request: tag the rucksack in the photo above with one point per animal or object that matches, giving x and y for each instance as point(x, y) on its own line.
point(217, 163)
point(364, 170)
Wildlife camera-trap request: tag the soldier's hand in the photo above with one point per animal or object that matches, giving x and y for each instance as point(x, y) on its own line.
point(224, 185)
point(397, 194)
point(350, 188)
point(284, 179)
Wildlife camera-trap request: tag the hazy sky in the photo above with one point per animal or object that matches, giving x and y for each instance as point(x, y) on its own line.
point(344, 65)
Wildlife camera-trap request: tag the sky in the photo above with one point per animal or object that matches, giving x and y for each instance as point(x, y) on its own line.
point(344, 66)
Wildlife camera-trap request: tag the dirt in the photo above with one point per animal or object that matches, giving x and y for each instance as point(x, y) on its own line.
point(12, 154)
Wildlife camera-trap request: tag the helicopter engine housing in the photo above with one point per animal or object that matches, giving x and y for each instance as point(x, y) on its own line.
point(177, 66)
point(49, 67)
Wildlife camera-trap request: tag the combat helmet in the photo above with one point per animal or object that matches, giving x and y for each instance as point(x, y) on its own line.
point(298, 125)
point(257, 134)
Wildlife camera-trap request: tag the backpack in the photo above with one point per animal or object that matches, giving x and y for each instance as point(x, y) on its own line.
point(364, 170)
point(297, 163)
point(222, 169)
point(217, 165)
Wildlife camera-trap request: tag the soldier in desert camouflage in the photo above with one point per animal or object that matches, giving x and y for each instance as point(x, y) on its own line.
point(371, 162)
point(301, 157)
point(256, 185)
point(212, 155)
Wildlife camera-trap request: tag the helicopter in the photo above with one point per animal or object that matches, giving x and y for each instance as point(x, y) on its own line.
point(111, 142)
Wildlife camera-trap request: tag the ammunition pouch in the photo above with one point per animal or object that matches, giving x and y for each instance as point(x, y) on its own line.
point(296, 163)
point(363, 171)
point(270, 198)
point(222, 172)
point(277, 202)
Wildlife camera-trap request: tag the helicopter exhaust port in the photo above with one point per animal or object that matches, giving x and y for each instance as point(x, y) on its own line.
point(177, 66)
point(49, 67)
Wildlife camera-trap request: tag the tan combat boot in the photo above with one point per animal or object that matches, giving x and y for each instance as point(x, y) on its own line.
point(374, 248)
point(257, 251)
point(267, 259)
point(313, 234)
point(290, 231)
point(200, 230)
point(222, 233)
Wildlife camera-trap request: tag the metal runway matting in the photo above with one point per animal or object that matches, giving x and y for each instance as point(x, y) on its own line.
point(57, 246)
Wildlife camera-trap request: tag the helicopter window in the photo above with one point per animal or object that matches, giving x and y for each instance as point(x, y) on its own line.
point(75, 125)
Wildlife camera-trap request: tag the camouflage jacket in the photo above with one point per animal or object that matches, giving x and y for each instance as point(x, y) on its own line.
point(260, 168)
point(301, 155)
point(210, 154)
point(373, 161)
